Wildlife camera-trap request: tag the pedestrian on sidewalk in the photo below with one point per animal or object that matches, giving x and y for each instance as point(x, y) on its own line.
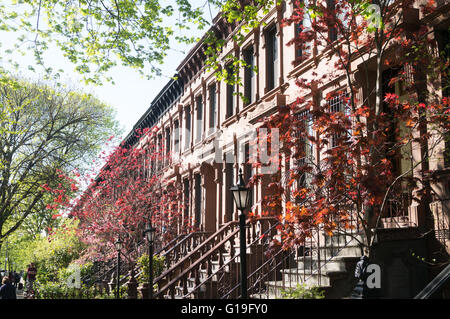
point(16, 279)
point(31, 277)
point(7, 291)
point(11, 278)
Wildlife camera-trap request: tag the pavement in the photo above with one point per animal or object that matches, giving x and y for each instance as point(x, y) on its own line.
point(20, 294)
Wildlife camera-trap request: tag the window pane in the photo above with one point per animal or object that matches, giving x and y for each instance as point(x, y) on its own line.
point(271, 58)
point(230, 94)
point(177, 136)
point(199, 118)
point(187, 127)
point(212, 106)
point(249, 90)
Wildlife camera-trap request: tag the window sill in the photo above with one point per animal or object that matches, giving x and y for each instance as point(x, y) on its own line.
point(232, 119)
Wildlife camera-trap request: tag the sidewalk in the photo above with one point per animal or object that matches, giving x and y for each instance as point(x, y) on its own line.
point(20, 293)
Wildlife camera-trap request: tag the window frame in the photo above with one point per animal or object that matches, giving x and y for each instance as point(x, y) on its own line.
point(272, 57)
point(249, 74)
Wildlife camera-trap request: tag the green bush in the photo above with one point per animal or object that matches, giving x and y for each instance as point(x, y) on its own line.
point(158, 267)
point(303, 292)
point(54, 254)
point(55, 290)
point(85, 271)
point(123, 293)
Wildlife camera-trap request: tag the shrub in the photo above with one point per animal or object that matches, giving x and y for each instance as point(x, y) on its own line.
point(54, 253)
point(54, 290)
point(158, 267)
point(85, 271)
point(303, 292)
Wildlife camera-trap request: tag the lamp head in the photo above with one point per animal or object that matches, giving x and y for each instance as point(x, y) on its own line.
point(118, 244)
point(241, 193)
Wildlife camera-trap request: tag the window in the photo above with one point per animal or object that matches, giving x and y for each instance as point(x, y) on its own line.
point(212, 106)
point(271, 58)
point(199, 104)
point(198, 199)
point(248, 173)
point(332, 30)
point(160, 151)
point(338, 104)
point(177, 136)
point(230, 93)
point(167, 140)
point(298, 46)
point(443, 43)
point(229, 205)
point(443, 39)
point(152, 159)
point(305, 147)
point(302, 50)
point(305, 130)
point(186, 197)
point(187, 125)
point(146, 164)
point(249, 75)
point(447, 149)
point(392, 154)
point(167, 150)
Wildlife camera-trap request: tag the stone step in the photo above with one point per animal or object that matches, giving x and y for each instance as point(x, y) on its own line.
point(344, 239)
point(263, 296)
point(300, 276)
point(346, 251)
point(328, 253)
point(310, 263)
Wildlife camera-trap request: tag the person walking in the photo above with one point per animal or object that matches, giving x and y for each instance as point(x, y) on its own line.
point(11, 278)
point(31, 277)
point(16, 279)
point(7, 291)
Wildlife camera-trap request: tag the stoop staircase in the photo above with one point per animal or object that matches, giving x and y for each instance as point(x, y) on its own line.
point(329, 264)
point(180, 246)
point(202, 265)
point(172, 252)
point(212, 269)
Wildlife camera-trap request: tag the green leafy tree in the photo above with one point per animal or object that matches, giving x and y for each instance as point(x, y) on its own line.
point(97, 35)
point(52, 254)
point(48, 133)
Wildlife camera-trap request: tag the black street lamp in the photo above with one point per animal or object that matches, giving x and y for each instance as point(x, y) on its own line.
point(149, 233)
point(118, 245)
point(241, 196)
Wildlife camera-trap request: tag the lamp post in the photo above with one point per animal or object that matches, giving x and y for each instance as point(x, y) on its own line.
point(241, 198)
point(118, 245)
point(149, 232)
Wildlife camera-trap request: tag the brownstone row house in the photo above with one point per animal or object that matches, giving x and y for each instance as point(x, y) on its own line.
point(208, 129)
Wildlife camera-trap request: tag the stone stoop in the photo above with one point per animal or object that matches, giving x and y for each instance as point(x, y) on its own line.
point(215, 269)
point(334, 273)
